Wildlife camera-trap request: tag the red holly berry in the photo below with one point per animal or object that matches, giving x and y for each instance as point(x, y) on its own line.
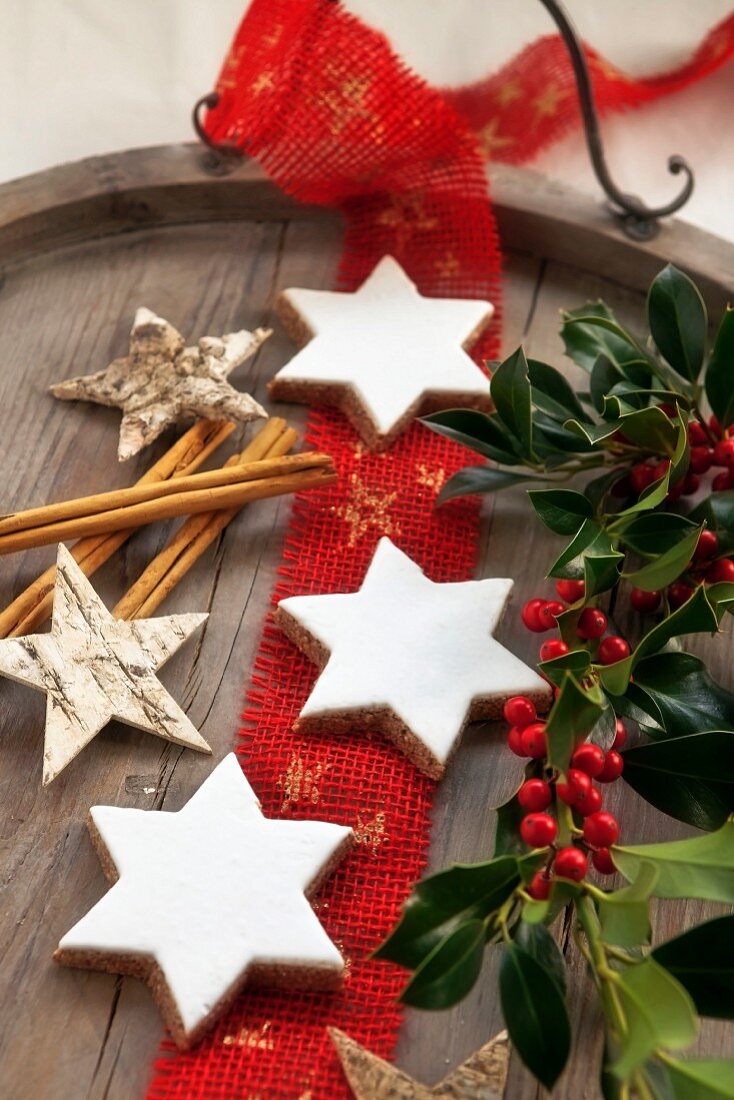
point(571, 863)
point(529, 615)
point(552, 649)
point(724, 453)
point(722, 482)
point(588, 758)
point(691, 484)
point(645, 602)
point(612, 649)
point(535, 795)
point(538, 830)
point(570, 591)
point(620, 735)
point(701, 459)
point(678, 594)
point(539, 886)
point(591, 624)
point(641, 476)
point(660, 469)
point(549, 612)
point(514, 742)
point(575, 787)
point(601, 830)
point(533, 740)
point(602, 860)
point(721, 570)
point(590, 803)
point(613, 767)
point(707, 546)
point(696, 434)
point(519, 711)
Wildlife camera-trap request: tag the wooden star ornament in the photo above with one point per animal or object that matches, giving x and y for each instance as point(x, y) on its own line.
point(481, 1077)
point(161, 382)
point(94, 668)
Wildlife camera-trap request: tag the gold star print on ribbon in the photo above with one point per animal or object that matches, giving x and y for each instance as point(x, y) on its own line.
point(481, 1077)
point(491, 141)
point(161, 382)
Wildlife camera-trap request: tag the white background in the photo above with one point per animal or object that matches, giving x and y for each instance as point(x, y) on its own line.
point(79, 77)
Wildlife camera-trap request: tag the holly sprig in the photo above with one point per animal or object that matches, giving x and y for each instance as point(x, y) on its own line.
point(653, 422)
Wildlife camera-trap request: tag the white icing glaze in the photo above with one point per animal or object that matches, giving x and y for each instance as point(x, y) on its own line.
point(210, 890)
point(422, 649)
point(388, 343)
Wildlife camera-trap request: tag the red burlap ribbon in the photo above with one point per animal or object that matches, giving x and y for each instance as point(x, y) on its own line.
point(336, 118)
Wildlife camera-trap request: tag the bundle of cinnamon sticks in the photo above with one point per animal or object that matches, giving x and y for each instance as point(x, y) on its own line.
point(170, 488)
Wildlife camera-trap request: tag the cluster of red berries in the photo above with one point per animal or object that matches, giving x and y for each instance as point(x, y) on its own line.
point(540, 615)
point(712, 448)
point(576, 789)
point(704, 568)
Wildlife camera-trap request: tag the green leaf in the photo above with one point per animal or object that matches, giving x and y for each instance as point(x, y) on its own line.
point(443, 902)
point(449, 972)
point(656, 532)
point(476, 430)
point(535, 1014)
point(700, 1079)
point(593, 331)
point(552, 393)
point(691, 777)
point(538, 942)
point(507, 839)
point(604, 376)
point(659, 1014)
point(562, 510)
point(651, 429)
point(702, 960)
point(680, 695)
point(591, 557)
point(623, 914)
point(596, 489)
point(593, 433)
point(510, 390)
point(698, 867)
point(664, 569)
point(678, 322)
point(576, 661)
point(720, 372)
point(573, 715)
point(480, 479)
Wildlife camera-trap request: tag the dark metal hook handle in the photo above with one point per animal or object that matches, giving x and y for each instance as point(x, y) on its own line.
point(222, 157)
point(639, 220)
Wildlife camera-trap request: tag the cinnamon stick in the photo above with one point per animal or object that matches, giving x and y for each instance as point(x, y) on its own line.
point(99, 503)
point(168, 507)
point(190, 541)
point(33, 606)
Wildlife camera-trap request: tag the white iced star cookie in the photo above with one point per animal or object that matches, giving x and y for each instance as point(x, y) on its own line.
point(383, 354)
point(209, 899)
point(411, 658)
point(94, 668)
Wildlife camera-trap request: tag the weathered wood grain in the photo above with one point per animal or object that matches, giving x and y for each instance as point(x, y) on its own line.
point(73, 1034)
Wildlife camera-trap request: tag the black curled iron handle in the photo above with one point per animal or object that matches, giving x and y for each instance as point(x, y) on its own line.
point(639, 220)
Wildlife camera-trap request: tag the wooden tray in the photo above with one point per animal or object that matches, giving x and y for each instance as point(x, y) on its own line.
point(81, 246)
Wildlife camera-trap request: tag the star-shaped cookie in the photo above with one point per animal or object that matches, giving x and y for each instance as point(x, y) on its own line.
point(480, 1077)
point(161, 382)
point(383, 354)
point(411, 658)
point(94, 668)
point(207, 899)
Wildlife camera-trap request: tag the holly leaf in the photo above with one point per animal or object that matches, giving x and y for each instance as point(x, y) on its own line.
point(691, 777)
point(510, 390)
point(701, 1079)
point(678, 321)
point(535, 1014)
point(720, 372)
point(698, 867)
point(591, 557)
point(623, 913)
point(659, 1014)
point(576, 661)
point(664, 569)
point(592, 331)
point(448, 973)
point(561, 510)
point(573, 715)
point(677, 693)
point(552, 393)
point(480, 479)
point(538, 942)
point(443, 902)
point(507, 839)
point(475, 430)
point(654, 533)
point(701, 960)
